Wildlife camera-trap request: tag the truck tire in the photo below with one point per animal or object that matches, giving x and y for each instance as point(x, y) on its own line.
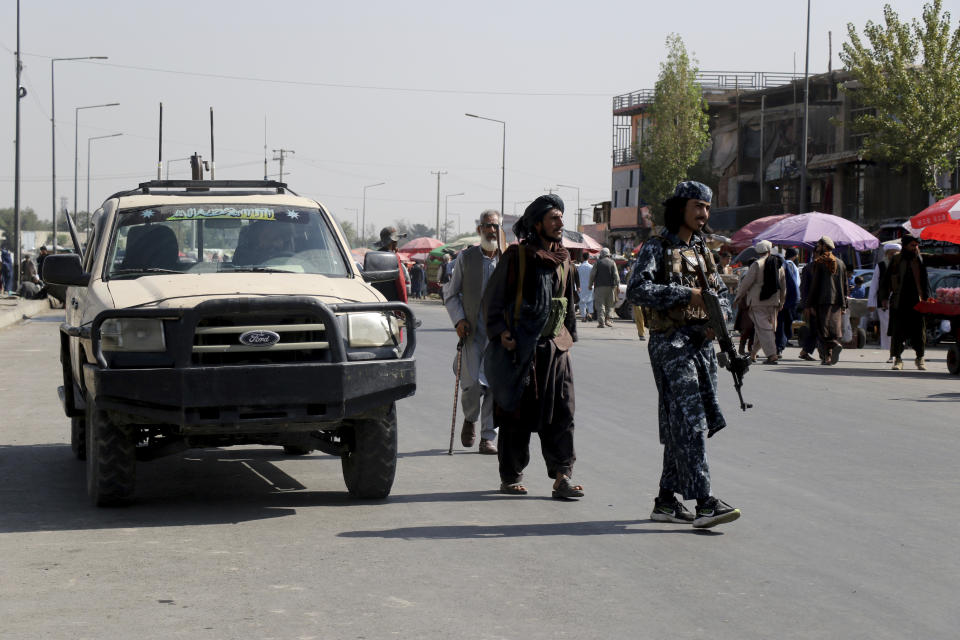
point(111, 459)
point(78, 437)
point(953, 359)
point(370, 464)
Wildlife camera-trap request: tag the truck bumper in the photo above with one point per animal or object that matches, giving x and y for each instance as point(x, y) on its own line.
point(225, 399)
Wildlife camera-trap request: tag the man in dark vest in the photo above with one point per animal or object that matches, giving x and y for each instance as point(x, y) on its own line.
point(605, 282)
point(462, 294)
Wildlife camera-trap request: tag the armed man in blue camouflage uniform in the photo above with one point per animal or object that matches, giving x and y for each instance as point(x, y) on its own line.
point(664, 283)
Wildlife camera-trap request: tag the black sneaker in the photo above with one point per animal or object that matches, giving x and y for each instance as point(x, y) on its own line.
point(713, 512)
point(670, 512)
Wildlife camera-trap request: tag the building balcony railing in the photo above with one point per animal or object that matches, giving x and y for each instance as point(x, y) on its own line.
point(746, 80)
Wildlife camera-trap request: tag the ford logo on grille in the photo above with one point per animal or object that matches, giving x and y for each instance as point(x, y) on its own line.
point(259, 338)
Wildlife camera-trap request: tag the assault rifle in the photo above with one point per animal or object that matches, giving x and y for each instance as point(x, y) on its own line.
point(728, 358)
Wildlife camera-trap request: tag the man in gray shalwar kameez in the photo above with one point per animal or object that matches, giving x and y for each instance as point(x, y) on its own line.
point(462, 295)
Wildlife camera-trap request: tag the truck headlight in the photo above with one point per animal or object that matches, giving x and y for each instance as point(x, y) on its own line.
point(132, 334)
point(372, 330)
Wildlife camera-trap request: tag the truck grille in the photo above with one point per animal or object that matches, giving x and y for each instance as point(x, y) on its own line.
point(216, 341)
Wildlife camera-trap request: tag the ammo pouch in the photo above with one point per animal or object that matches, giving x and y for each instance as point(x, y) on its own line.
point(558, 313)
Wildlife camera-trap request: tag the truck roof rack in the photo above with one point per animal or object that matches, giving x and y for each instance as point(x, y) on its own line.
point(198, 186)
point(145, 187)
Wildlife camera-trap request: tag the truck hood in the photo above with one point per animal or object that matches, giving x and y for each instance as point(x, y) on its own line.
point(188, 290)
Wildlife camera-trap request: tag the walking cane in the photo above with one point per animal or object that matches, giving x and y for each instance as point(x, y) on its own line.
point(456, 389)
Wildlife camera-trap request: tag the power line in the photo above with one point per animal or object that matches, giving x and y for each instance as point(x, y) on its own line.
point(338, 85)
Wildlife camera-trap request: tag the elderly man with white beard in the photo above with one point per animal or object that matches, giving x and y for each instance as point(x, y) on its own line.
point(462, 296)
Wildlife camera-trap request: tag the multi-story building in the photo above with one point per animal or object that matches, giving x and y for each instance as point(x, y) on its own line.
point(753, 159)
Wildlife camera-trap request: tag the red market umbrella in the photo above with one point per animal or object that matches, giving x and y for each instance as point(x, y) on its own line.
point(420, 245)
point(940, 211)
point(744, 237)
point(948, 231)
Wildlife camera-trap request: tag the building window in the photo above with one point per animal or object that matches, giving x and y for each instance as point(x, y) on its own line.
point(627, 198)
point(615, 194)
point(631, 178)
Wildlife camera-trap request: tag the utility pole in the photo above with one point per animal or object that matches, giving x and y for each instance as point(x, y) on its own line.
point(438, 173)
point(21, 94)
point(283, 153)
point(802, 208)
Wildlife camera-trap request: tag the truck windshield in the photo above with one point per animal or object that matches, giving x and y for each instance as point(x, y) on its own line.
point(220, 238)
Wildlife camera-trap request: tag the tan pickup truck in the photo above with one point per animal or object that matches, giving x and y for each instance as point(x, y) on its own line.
point(219, 313)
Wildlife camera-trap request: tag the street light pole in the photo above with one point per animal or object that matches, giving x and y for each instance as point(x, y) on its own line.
point(369, 186)
point(579, 217)
point(53, 140)
point(76, 159)
point(446, 205)
point(109, 135)
point(503, 160)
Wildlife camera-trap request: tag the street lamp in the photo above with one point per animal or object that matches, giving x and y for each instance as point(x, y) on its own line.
point(579, 221)
point(110, 135)
point(76, 160)
point(446, 204)
point(53, 140)
point(369, 186)
point(503, 162)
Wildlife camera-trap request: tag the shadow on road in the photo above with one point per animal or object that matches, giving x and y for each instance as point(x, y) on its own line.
point(43, 488)
point(886, 372)
point(591, 528)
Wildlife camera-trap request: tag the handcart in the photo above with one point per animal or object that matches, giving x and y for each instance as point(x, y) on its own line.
point(937, 311)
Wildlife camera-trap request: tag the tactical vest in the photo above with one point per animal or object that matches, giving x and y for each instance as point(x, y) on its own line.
point(680, 267)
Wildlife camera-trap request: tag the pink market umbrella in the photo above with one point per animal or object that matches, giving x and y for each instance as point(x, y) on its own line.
point(805, 229)
point(744, 237)
point(420, 245)
point(940, 211)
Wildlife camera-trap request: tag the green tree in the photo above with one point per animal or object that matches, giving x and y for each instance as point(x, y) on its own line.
point(909, 75)
point(28, 222)
point(677, 132)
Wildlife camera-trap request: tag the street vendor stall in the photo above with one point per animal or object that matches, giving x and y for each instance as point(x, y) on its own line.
point(940, 309)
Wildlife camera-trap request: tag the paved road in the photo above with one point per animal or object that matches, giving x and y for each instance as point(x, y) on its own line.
point(846, 476)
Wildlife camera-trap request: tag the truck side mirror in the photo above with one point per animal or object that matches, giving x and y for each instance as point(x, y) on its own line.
point(65, 269)
point(380, 266)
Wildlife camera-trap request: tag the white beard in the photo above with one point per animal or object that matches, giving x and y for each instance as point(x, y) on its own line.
point(488, 245)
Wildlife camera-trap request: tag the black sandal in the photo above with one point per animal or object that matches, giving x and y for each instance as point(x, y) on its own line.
point(513, 488)
point(565, 490)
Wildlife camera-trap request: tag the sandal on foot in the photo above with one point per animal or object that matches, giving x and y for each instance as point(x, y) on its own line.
point(513, 489)
point(565, 490)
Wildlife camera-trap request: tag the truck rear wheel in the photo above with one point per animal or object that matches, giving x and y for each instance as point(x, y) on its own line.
point(111, 459)
point(370, 464)
point(78, 437)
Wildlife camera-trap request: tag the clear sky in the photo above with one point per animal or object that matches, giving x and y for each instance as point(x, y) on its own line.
point(373, 91)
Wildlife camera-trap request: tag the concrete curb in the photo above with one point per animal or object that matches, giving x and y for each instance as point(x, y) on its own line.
point(12, 314)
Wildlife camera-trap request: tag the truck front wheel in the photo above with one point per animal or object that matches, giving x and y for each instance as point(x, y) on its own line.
point(111, 459)
point(370, 464)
